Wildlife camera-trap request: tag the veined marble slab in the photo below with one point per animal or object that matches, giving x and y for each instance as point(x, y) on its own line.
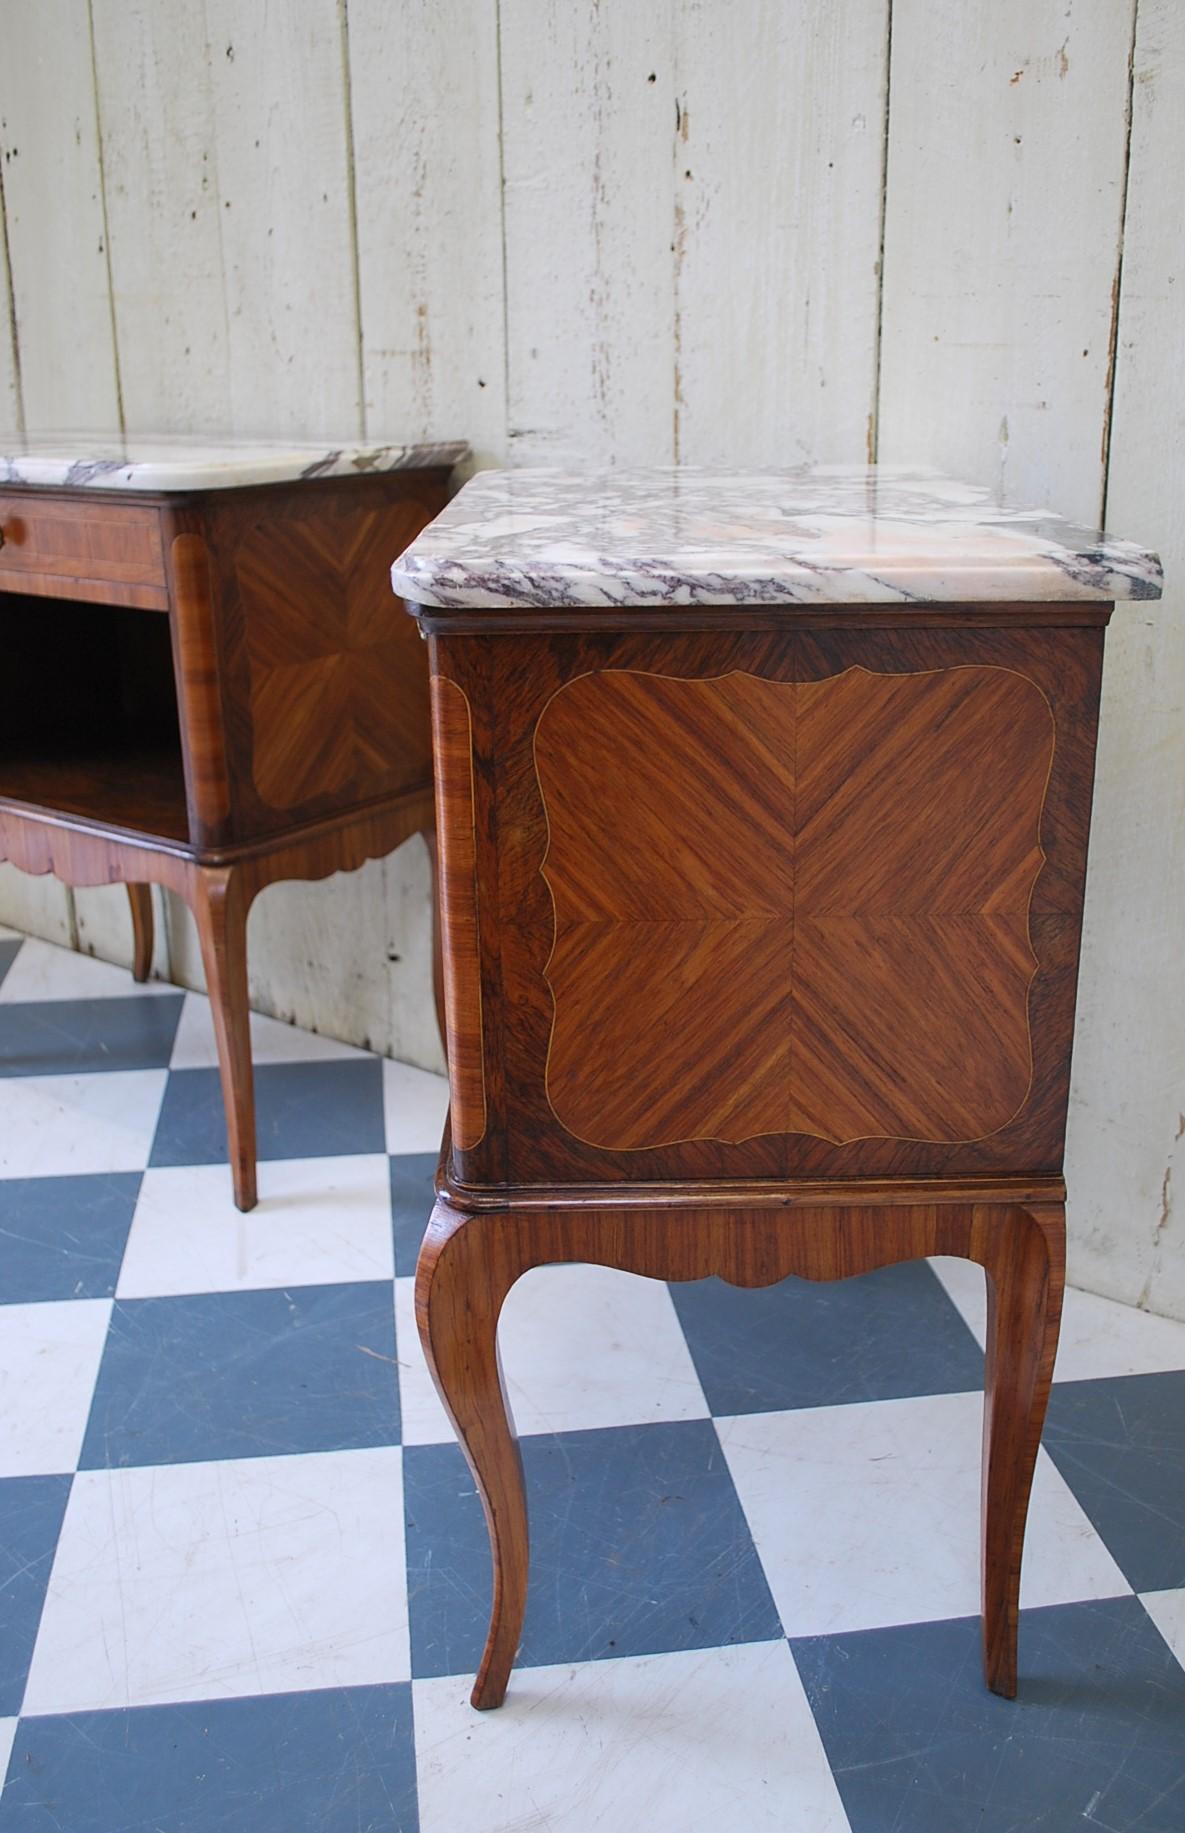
point(836, 534)
point(86, 461)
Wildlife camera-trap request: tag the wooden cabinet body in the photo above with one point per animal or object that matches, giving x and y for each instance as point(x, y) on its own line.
point(763, 803)
point(210, 690)
point(763, 904)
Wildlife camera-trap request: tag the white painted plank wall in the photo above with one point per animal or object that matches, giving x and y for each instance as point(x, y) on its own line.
point(1126, 1159)
point(1007, 138)
point(611, 233)
point(779, 175)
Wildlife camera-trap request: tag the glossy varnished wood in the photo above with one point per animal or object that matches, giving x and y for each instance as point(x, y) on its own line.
point(469, 1263)
point(276, 726)
point(1014, 755)
point(847, 871)
point(220, 895)
point(761, 932)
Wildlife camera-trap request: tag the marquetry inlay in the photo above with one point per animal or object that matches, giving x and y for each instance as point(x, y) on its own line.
point(792, 907)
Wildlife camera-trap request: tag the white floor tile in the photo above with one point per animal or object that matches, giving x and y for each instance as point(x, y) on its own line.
point(54, 1125)
point(43, 971)
point(582, 1346)
point(271, 1041)
point(7, 1733)
point(867, 1515)
point(683, 1743)
point(49, 1358)
point(318, 1220)
point(1099, 1336)
point(213, 1581)
point(1167, 1610)
point(415, 1104)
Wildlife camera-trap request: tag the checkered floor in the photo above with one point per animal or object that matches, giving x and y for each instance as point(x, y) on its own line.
point(243, 1572)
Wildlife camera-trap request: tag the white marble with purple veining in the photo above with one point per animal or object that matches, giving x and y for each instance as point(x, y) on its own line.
point(837, 534)
point(167, 461)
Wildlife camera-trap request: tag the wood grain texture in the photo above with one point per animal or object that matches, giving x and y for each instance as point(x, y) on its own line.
point(998, 291)
point(1126, 1145)
point(277, 87)
point(589, 143)
point(80, 852)
point(165, 214)
point(721, 829)
point(285, 670)
point(778, 165)
point(338, 699)
point(140, 905)
point(468, 1264)
point(458, 905)
point(766, 949)
point(54, 203)
point(66, 538)
point(429, 219)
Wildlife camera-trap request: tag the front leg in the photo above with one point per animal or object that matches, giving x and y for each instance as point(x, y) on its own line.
point(1025, 1282)
point(220, 901)
point(467, 1265)
point(140, 902)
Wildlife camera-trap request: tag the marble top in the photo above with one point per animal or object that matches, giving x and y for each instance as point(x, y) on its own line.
point(86, 461)
point(835, 534)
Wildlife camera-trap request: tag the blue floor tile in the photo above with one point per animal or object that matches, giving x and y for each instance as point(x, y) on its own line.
point(59, 1037)
point(31, 1510)
point(302, 1110)
point(412, 1196)
point(340, 1761)
point(1120, 1444)
point(1095, 1739)
point(638, 1545)
point(800, 1344)
point(64, 1237)
point(9, 949)
point(245, 1374)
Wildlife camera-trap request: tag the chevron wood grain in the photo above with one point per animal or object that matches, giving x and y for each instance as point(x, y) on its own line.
point(770, 921)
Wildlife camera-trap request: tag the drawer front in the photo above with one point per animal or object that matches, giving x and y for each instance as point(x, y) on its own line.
point(61, 540)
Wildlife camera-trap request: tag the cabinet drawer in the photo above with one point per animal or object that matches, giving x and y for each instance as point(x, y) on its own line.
point(68, 549)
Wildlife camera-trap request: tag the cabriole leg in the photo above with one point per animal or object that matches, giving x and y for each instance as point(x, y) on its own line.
point(1025, 1282)
point(467, 1266)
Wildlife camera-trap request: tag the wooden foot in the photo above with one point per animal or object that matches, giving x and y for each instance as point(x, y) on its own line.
point(469, 1262)
point(437, 940)
point(219, 900)
point(140, 899)
point(1026, 1279)
point(465, 1270)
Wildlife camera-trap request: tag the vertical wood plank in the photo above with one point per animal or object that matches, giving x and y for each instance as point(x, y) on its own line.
point(11, 407)
point(38, 906)
point(1126, 1160)
point(278, 86)
point(160, 158)
point(589, 144)
point(778, 179)
point(424, 87)
point(54, 204)
point(1007, 147)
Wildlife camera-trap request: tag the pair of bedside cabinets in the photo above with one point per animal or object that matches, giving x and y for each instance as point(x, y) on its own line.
point(762, 805)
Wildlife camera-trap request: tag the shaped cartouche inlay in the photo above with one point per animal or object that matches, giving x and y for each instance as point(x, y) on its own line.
point(792, 907)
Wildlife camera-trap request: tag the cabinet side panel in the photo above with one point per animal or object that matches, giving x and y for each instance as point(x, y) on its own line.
point(455, 821)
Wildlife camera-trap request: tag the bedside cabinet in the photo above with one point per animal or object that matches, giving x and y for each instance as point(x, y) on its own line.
point(204, 686)
point(763, 806)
